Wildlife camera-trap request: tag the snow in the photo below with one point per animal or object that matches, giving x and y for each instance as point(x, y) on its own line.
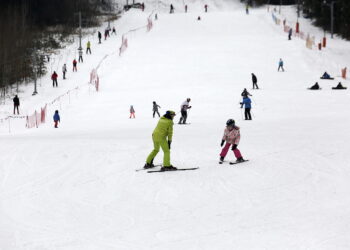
point(76, 187)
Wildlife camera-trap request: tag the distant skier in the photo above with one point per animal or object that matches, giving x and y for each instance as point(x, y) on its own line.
point(56, 118)
point(290, 32)
point(315, 86)
point(143, 6)
point(80, 55)
point(247, 9)
point(280, 65)
point(88, 47)
point(54, 79)
point(255, 81)
point(171, 8)
point(75, 65)
point(132, 112)
point(64, 70)
point(155, 109)
point(184, 107)
point(186, 8)
point(114, 31)
point(198, 18)
point(206, 8)
point(232, 137)
point(156, 16)
point(99, 37)
point(16, 105)
point(339, 86)
point(247, 103)
point(245, 93)
point(162, 138)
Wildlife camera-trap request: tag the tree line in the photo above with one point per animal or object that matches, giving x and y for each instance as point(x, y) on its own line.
point(320, 12)
point(31, 29)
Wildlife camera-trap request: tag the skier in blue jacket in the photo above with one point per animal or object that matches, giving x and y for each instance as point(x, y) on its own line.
point(247, 103)
point(56, 118)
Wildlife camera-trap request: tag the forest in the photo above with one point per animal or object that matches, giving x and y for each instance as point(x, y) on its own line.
point(32, 29)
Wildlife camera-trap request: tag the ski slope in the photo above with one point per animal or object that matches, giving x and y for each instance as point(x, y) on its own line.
point(75, 187)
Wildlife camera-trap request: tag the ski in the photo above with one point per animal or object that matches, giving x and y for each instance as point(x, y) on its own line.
point(179, 169)
point(140, 169)
point(234, 162)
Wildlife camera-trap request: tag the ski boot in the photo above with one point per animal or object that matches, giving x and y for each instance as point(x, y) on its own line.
point(168, 168)
point(221, 159)
point(149, 165)
point(240, 159)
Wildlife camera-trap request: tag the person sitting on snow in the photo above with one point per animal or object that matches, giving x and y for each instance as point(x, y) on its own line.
point(339, 86)
point(326, 76)
point(315, 86)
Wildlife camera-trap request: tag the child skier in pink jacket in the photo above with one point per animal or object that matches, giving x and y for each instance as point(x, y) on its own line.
point(232, 137)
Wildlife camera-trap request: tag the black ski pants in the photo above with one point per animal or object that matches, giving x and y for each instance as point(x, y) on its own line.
point(155, 112)
point(183, 117)
point(255, 85)
point(247, 114)
point(54, 82)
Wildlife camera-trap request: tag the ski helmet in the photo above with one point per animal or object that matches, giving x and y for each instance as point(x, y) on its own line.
point(170, 113)
point(230, 122)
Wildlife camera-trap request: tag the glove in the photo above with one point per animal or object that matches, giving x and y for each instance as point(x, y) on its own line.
point(222, 143)
point(169, 143)
point(189, 107)
point(234, 146)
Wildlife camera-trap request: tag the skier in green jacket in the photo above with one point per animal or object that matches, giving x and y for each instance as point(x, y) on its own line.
point(162, 136)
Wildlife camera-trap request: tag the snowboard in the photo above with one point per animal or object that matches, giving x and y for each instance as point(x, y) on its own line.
point(314, 89)
point(332, 78)
point(179, 169)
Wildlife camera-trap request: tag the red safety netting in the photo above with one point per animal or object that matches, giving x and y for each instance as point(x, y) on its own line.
point(37, 118)
point(343, 73)
point(149, 24)
point(124, 45)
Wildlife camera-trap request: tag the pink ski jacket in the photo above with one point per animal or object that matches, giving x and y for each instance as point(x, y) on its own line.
point(232, 136)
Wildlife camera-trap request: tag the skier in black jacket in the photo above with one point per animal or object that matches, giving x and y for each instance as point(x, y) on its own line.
point(254, 80)
point(15, 105)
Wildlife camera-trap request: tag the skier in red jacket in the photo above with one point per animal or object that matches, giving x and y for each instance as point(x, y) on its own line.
point(54, 79)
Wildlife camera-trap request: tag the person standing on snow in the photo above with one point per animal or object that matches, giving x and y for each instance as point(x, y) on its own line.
point(99, 37)
point(184, 107)
point(88, 47)
point(54, 79)
point(75, 65)
point(232, 137)
point(56, 118)
point(280, 65)
point(171, 8)
point(206, 8)
point(114, 31)
point(64, 71)
point(80, 55)
point(155, 109)
point(186, 8)
point(247, 103)
point(255, 81)
point(162, 137)
point(132, 112)
point(15, 105)
point(290, 32)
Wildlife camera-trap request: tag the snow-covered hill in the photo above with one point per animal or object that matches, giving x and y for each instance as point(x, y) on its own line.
point(76, 187)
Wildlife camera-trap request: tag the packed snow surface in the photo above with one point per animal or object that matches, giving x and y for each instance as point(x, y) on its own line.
point(76, 188)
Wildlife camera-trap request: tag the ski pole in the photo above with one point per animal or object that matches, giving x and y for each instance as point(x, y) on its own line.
point(242, 114)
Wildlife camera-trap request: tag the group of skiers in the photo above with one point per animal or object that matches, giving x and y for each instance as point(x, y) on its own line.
point(172, 9)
